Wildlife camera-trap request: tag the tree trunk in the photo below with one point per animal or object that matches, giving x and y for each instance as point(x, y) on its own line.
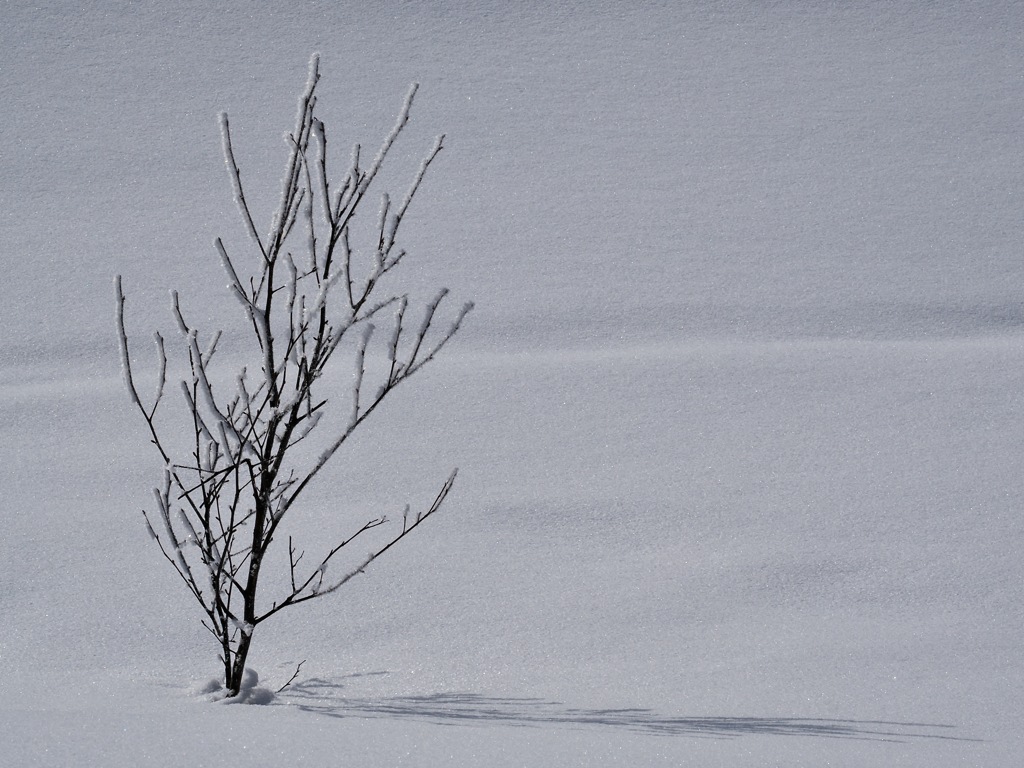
point(234, 681)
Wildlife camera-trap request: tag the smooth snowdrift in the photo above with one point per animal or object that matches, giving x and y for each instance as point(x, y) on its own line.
point(737, 418)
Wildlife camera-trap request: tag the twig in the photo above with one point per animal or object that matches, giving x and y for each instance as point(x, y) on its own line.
point(292, 678)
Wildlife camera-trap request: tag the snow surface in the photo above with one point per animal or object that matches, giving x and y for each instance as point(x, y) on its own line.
point(737, 417)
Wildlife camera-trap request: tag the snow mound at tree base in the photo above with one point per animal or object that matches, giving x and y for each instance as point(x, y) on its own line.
point(250, 692)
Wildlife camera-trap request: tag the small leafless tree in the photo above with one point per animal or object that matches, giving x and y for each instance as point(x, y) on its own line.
point(219, 510)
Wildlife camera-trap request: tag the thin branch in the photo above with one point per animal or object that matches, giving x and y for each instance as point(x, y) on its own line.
point(236, 183)
point(292, 678)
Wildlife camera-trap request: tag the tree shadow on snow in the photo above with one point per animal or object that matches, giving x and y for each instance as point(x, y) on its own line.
point(325, 697)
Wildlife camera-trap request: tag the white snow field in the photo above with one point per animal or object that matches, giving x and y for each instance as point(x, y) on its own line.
point(738, 417)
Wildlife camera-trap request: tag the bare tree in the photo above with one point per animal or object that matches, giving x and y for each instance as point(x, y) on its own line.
point(219, 509)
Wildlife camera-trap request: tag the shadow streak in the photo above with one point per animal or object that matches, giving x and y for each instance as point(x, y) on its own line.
point(324, 697)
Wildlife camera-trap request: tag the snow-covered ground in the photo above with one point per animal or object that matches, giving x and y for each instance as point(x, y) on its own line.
point(738, 416)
